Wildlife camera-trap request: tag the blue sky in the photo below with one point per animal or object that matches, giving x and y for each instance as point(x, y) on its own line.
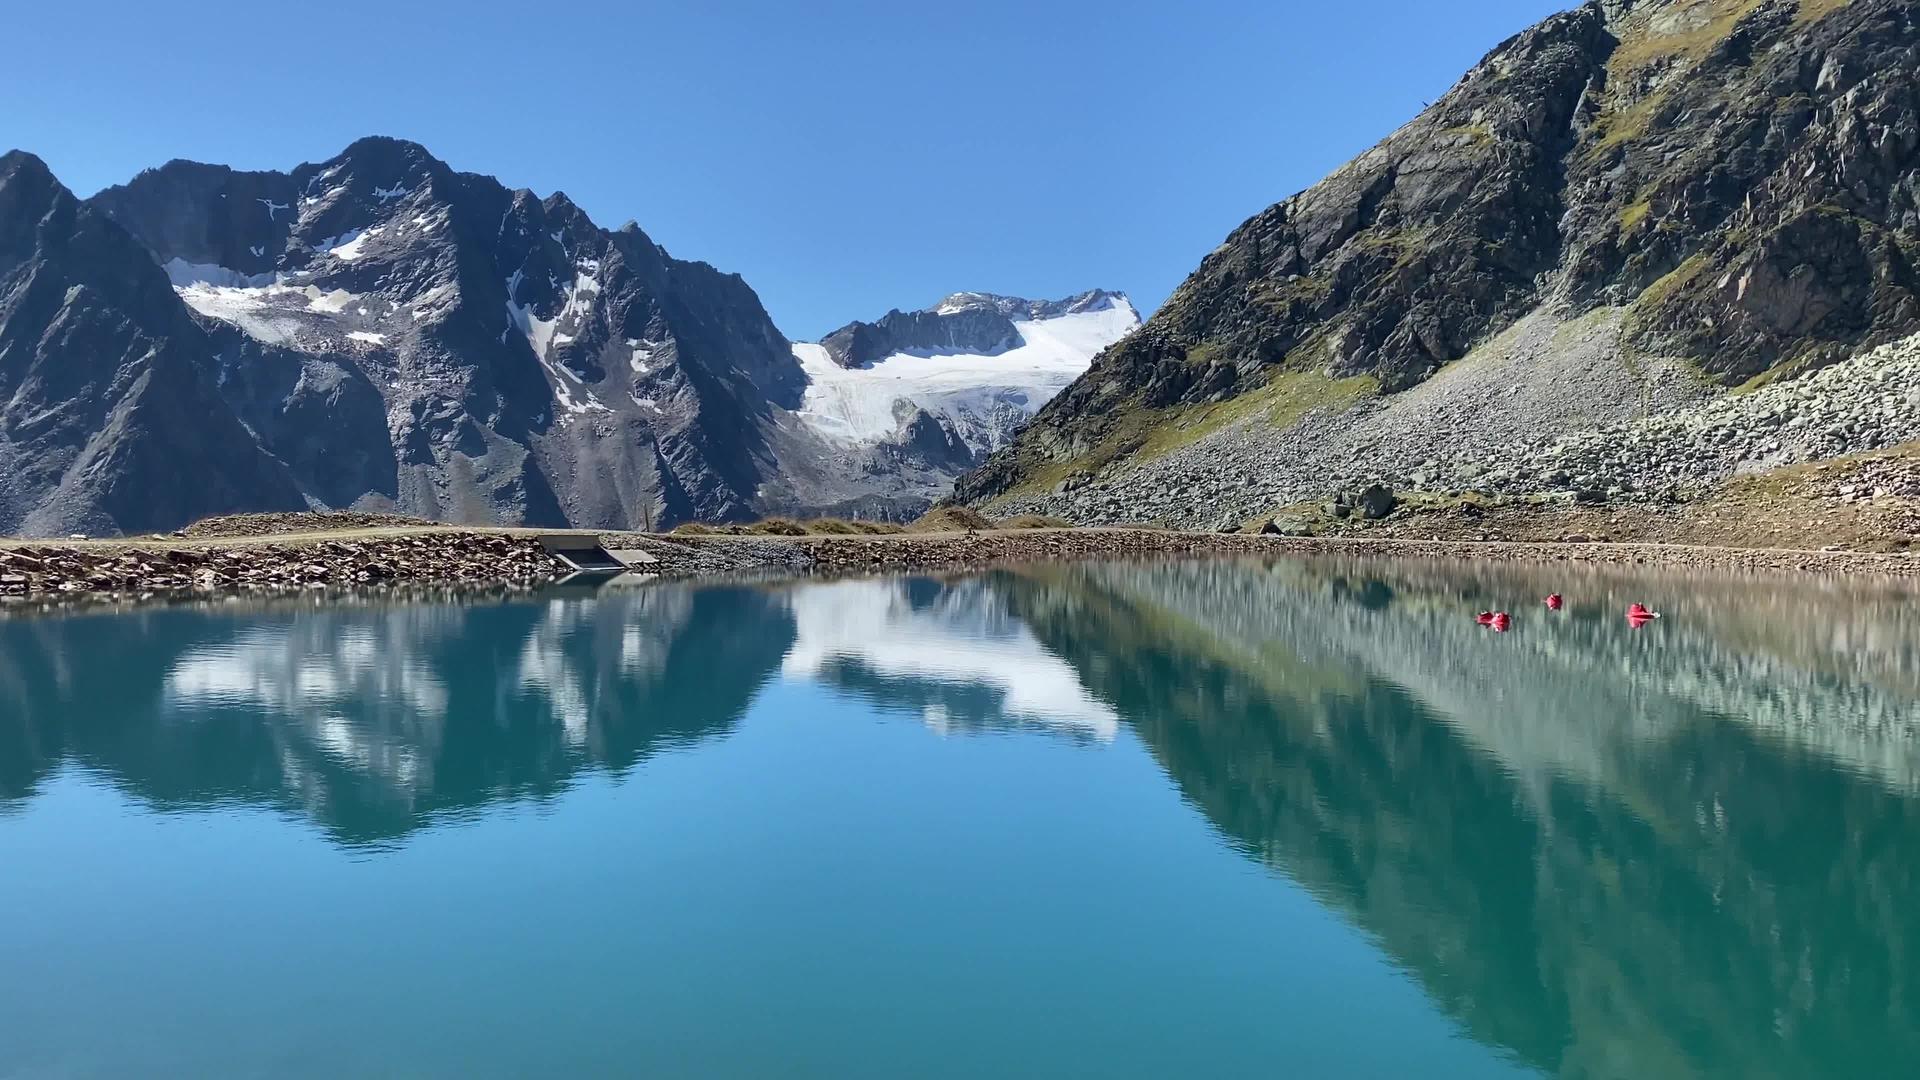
point(844, 157)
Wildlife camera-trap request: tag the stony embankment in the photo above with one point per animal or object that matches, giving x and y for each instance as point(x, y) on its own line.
point(164, 566)
point(869, 555)
point(57, 574)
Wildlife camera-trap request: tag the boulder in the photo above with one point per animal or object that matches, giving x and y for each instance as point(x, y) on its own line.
point(1287, 525)
point(1376, 501)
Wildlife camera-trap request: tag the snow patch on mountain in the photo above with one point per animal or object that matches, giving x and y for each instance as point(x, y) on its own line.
point(247, 308)
point(986, 396)
point(271, 307)
point(348, 248)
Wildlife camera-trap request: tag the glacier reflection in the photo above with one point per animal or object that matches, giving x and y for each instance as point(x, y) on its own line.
point(953, 651)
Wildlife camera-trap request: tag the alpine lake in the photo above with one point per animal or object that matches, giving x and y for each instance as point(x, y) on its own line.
point(1290, 817)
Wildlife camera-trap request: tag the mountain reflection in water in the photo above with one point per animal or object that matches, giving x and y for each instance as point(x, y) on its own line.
point(1687, 850)
point(373, 720)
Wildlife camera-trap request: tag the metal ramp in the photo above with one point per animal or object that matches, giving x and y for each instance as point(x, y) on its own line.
point(583, 552)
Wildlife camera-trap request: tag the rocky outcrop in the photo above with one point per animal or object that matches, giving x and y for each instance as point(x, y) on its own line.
point(1733, 183)
point(1865, 403)
point(1507, 426)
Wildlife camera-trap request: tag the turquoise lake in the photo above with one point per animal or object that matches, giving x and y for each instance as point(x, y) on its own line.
point(1263, 818)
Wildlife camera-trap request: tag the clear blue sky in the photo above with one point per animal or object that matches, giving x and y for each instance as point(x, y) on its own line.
point(844, 157)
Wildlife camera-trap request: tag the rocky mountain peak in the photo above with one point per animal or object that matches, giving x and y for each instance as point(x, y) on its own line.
point(901, 405)
point(383, 333)
point(975, 323)
point(21, 165)
point(1015, 307)
point(28, 192)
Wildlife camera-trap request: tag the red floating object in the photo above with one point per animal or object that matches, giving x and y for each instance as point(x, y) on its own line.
point(1485, 618)
point(1555, 602)
point(1639, 615)
point(1501, 621)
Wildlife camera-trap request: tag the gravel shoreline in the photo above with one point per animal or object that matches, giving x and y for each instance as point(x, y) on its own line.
point(42, 574)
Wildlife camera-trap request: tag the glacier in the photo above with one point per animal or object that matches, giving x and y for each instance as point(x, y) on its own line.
point(986, 396)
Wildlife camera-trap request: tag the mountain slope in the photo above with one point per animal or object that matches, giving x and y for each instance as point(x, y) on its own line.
point(110, 421)
point(1658, 199)
point(412, 338)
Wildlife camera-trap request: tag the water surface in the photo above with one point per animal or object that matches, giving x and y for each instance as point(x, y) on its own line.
point(1219, 818)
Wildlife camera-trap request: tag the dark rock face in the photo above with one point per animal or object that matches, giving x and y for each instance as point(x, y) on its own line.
point(406, 337)
point(1376, 501)
point(111, 421)
point(1743, 176)
point(860, 344)
point(933, 441)
point(979, 323)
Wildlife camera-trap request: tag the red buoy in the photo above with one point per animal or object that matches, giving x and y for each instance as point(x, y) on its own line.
point(1554, 602)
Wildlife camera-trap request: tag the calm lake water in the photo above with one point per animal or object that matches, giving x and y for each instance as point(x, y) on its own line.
point(1212, 819)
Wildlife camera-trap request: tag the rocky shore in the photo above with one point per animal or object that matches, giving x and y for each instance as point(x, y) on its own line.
point(166, 566)
point(62, 573)
point(847, 555)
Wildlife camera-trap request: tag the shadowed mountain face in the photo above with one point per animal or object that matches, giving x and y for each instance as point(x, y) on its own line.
point(110, 421)
point(376, 721)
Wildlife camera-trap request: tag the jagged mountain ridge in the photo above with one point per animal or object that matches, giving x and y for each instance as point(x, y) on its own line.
point(1732, 182)
point(965, 322)
point(409, 337)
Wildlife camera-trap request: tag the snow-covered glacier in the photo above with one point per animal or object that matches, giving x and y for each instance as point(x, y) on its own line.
point(984, 395)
